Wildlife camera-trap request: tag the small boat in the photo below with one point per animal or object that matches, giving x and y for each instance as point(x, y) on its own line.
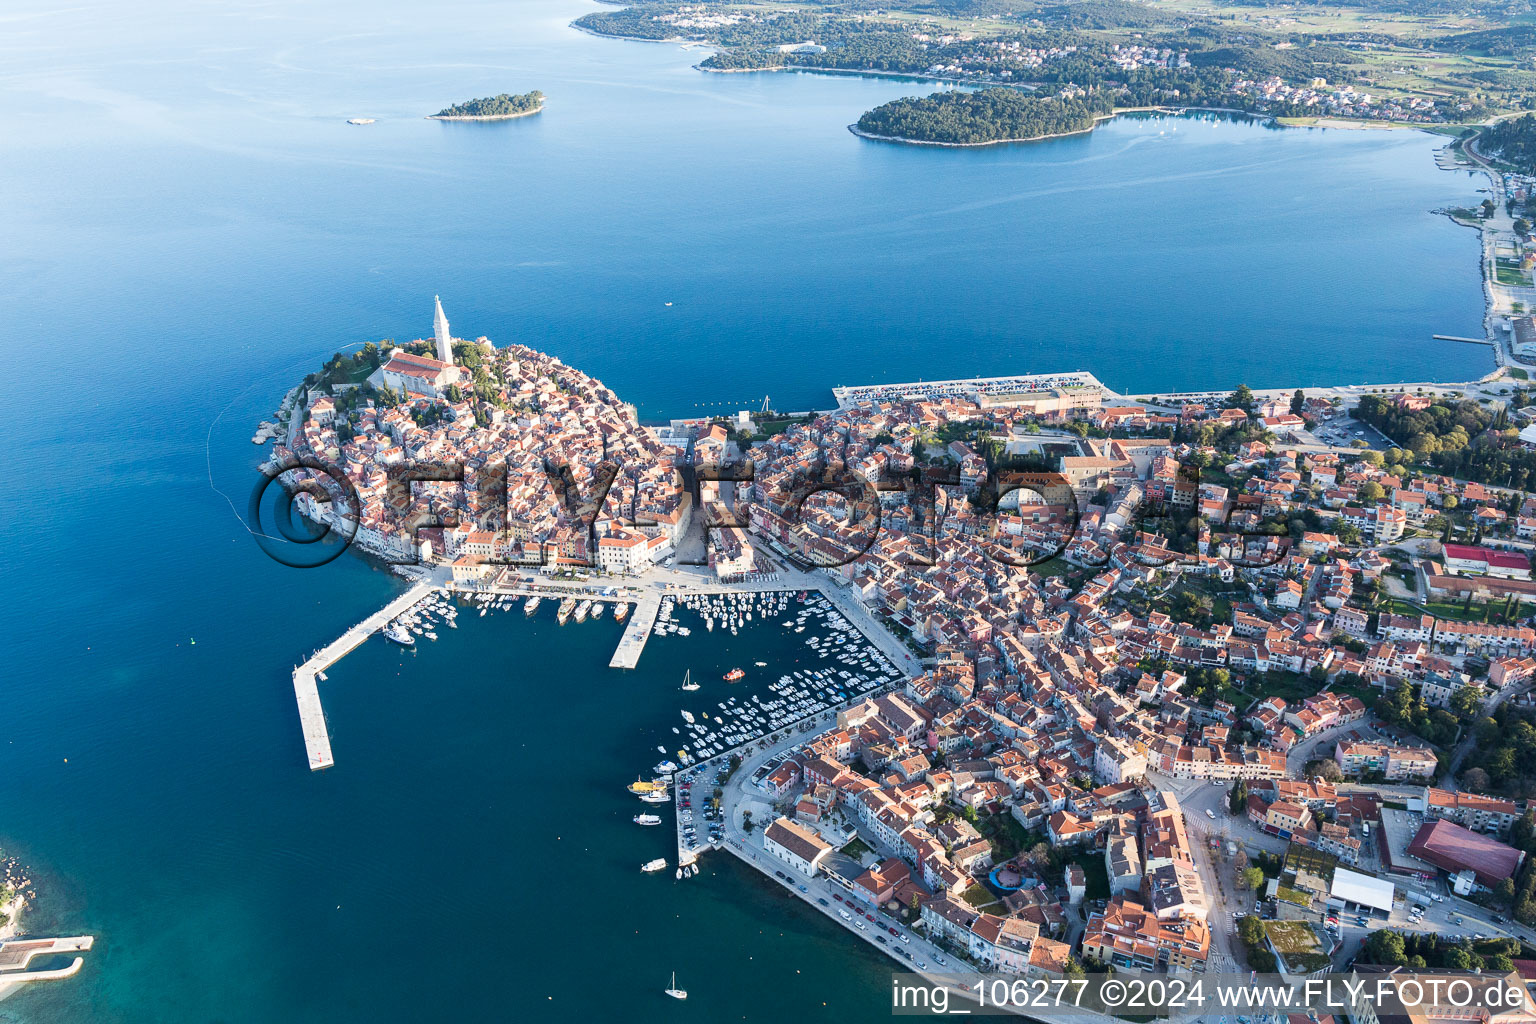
point(688, 717)
point(674, 991)
point(369, 120)
point(532, 605)
point(733, 675)
point(619, 611)
point(647, 819)
point(665, 768)
point(653, 865)
point(658, 797)
point(760, 664)
point(399, 634)
point(690, 686)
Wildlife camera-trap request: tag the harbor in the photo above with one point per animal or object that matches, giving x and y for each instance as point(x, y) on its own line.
point(836, 667)
point(317, 738)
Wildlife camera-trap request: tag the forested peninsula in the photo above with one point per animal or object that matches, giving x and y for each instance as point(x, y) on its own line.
point(493, 108)
point(987, 116)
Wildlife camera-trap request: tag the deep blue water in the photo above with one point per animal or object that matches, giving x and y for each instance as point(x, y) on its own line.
point(188, 226)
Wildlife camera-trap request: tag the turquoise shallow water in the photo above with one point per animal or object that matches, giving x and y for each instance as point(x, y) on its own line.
point(192, 227)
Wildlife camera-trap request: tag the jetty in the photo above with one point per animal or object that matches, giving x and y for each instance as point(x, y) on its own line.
point(1468, 341)
point(16, 955)
point(636, 632)
point(317, 738)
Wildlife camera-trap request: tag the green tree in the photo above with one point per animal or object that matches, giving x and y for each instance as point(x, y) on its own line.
point(1298, 402)
point(1251, 878)
point(1467, 703)
point(1384, 947)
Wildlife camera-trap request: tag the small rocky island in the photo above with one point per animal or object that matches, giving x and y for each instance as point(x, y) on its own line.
point(493, 108)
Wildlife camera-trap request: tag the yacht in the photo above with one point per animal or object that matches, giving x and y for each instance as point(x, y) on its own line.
point(647, 819)
point(582, 609)
point(566, 607)
point(645, 788)
point(674, 991)
point(665, 768)
point(619, 611)
point(399, 634)
point(532, 605)
point(653, 865)
point(658, 796)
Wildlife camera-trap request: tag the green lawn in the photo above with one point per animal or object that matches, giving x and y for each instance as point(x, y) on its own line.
point(980, 897)
point(1508, 272)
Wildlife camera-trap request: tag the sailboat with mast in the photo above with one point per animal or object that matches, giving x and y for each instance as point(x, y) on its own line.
point(688, 683)
point(674, 991)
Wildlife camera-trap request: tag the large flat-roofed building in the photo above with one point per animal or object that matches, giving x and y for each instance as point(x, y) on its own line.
point(1462, 852)
point(1353, 889)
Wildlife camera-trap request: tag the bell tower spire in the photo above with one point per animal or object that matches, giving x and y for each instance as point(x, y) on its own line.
point(440, 327)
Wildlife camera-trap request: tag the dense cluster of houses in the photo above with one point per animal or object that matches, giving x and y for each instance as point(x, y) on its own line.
point(519, 485)
point(1340, 100)
point(1050, 705)
point(1047, 702)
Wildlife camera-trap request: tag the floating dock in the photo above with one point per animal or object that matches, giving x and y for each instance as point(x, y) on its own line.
point(636, 632)
point(317, 739)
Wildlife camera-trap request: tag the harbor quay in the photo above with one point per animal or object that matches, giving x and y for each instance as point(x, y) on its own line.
point(16, 955)
point(646, 595)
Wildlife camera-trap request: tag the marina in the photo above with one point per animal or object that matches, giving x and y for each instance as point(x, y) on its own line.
point(837, 667)
point(317, 738)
